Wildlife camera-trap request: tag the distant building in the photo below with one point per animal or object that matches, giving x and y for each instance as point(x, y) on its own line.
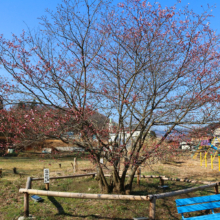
point(185, 145)
point(124, 135)
point(216, 138)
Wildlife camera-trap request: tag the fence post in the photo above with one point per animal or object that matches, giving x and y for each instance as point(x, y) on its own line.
point(26, 205)
point(152, 208)
point(15, 170)
point(216, 189)
point(30, 183)
point(161, 181)
point(26, 198)
point(47, 186)
point(138, 176)
point(75, 165)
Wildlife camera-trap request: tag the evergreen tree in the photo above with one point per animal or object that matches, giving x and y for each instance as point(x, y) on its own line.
point(21, 105)
point(33, 104)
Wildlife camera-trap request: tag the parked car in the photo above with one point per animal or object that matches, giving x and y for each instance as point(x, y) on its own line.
point(185, 146)
point(47, 151)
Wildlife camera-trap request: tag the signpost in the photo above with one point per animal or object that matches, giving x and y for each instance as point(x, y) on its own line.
point(46, 178)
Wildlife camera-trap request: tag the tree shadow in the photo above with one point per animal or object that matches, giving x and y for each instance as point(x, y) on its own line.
point(57, 205)
point(99, 217)
point(62, 212)
point(171, 213)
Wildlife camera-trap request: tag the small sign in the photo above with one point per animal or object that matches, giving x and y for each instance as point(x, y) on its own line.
point(46, 176)
point(101, 160)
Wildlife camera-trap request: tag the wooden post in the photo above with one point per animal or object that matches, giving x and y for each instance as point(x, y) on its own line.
point(28, 183)
point(152, 208)
point(26, 205)
point(47, 186)
point(15, 170)
point(60, 165)
point(216, 189)
point(138, 176)
point(161, 181)
point(26, 198)
point(1, 172)
point(75, 165)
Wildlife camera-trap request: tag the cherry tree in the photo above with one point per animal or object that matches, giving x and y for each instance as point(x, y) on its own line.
point(138, 63)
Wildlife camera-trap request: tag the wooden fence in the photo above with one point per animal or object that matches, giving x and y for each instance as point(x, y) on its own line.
point(151, 198)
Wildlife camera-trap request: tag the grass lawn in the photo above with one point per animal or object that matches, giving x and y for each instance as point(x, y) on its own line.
point(66, 208)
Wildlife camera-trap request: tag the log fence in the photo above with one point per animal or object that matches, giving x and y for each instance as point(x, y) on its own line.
point(65, 177)
point(151, 198)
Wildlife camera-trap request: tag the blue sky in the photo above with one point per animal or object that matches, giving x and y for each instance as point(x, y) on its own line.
point(16, 14)
point(13, 13)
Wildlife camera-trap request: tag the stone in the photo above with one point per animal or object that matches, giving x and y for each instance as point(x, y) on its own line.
point(26, 218)
point(163, 187)
point(140, 218)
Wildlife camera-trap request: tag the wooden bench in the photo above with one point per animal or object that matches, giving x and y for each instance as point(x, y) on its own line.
point(199, 204)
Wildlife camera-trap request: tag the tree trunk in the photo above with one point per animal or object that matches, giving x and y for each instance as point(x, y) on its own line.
point(103, 184)
point(128, 185)
point(116, 183)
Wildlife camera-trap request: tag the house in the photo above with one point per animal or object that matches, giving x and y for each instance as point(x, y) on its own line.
point(128, 133)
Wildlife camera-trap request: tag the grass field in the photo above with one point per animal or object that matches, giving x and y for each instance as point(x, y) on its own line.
point(63, 208)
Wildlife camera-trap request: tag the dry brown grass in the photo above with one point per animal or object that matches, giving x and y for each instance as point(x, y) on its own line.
point(34, 167)
point(178, 167)
point(185, 167)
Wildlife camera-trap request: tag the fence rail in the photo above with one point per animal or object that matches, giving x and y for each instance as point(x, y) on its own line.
point(84, 195)
point(65, 177)
point(151, 198)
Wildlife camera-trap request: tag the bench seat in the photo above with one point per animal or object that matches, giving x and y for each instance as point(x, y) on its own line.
point(198, 204)
point(205, 217)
